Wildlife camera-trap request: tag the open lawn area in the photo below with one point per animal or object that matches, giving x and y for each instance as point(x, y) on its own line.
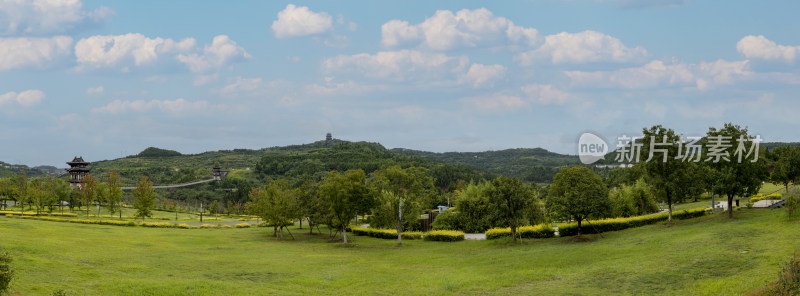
point(710, 255)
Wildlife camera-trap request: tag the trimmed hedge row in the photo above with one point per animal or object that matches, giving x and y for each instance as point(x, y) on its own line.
point(385, 233)
point(758, 197)
point(535, 231)
point(615, 224)
point(81, 221)
point(127, 223)
point(444, 235)
point(42, 214)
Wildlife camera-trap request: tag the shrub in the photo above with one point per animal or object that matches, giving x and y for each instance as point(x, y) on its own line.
point(789, 280)
point(792, 204)
point(447, 220)
point(266, 224)
point(6, 273)
point(614, 224)
point(412, 235)
point(535, 231)
point(495, 233)
point(444, 235)
point(156, 224)
point(243, 225)
point(384, 233)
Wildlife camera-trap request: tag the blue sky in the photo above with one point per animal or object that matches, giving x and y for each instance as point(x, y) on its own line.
point(105, 79)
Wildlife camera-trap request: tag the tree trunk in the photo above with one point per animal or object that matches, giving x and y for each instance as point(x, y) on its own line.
point(310, 227)
point(301, 223)
point(579, 227)
point(730, 206)
point(669, 206)
point(514, 232)
point(344, 234)
point(399, 232)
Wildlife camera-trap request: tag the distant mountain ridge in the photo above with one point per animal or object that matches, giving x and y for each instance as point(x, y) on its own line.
point(169, 166)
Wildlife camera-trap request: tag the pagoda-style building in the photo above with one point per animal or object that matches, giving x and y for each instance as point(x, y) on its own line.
point(218, 173)
point(78, 169)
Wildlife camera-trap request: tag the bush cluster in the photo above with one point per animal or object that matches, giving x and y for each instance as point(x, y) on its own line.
point(535, 231)
point(385, 233)
point(130, 223)
point(42, 214)
point(759, 197)
point(614, 224)
point(444, 235)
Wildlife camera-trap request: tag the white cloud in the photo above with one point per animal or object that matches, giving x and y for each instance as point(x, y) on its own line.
point(26, 98)
point(95, 90)
point(656, 74)
point(759, 47)
point(120, 50)
point(583, 47)
point(331, 88)
point(650, 3)
point(296, 21)
point(169, 106)
point(38, 52)
point(221, 52)
point(40, 17)
point(494, 102)
point(545, 94)
point(404, 65)
point(464, 29)
point(256, 87)
point(205, 79)
point(483, 75)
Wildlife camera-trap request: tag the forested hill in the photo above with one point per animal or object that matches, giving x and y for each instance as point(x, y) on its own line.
point(12, 169)
point(530, 164)
point(295, 162)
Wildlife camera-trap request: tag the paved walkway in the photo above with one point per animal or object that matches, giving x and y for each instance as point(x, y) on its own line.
point(475, 236)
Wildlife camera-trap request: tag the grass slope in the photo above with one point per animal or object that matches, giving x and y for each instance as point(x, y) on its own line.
point(704, 256)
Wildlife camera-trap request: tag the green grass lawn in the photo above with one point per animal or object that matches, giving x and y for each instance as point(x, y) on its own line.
point(710, 255)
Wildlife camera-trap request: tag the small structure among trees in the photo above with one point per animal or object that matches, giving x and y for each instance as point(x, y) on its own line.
point(78, 169)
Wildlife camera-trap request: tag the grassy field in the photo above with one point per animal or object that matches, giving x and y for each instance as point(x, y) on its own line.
point(703, 256)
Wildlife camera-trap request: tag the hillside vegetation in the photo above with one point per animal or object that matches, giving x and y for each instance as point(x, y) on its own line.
point(530, 164)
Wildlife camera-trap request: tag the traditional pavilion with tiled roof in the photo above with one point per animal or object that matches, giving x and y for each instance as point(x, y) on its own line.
point(78, 169)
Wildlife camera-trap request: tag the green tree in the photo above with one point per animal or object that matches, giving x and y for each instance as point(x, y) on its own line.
point(61, 191)
point(144, 197)
point(632, 200)
point(213, 208)
point(6, 273)
point(786, 165)
point(510, 199)
point(474, 211)
point(401, 194)
point(114, 196)
point(735, 178)
point(21, 186)
point(578, 193)
point(662, 169)
point(102, 196)
point(346, 193)
point(41, 192)
point(312, 206)
point(7, 190)
point(276, 204)
point(88, 190)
